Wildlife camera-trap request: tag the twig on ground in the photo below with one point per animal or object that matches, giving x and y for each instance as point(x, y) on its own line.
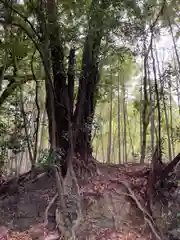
point(39, 176)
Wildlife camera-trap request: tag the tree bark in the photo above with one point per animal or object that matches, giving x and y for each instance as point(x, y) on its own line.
point(63, 83)
point(158, 105)
point(125, 127)
point(145, 121)
point(59, 76)
point(89, 77)
point(119, 122)
point(109, 149)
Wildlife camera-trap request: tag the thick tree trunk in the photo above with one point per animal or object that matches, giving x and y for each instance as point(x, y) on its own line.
point(59, 89)
point(89, 78)
point(71, 79)
point(63, 93)
point(85, 121)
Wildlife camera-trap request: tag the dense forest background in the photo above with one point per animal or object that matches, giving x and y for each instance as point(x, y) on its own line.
point(111, 52)
point(89, 119)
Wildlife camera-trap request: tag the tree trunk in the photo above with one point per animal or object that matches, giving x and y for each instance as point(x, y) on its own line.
point(89, 78)
point(130, 137)
point(110, 128)
point(63, 93)
point(114, 156)
point(84, 117)
point(119, 122)
point(167, 129)
point(171, 123)
point(151, 99)
point(55, 75)
point(140, 121)
point(158, 105)
point(177, 85)
point(143, 146)
point(124, 119)
point(60, 91)
point(102, 147)
point(145, 121)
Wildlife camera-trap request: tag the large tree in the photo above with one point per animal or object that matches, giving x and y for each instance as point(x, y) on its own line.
point(57, 30)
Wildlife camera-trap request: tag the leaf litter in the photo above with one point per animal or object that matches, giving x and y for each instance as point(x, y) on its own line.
point(102, 184)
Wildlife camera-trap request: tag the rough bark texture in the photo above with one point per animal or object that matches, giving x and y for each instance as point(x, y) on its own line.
point(71, 79)
point(59, 76)
point(63, 82)
point(89, 78)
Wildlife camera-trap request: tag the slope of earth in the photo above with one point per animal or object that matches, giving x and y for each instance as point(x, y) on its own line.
point(113, 207)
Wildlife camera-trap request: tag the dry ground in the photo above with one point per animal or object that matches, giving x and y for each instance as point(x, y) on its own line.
point(109, 212)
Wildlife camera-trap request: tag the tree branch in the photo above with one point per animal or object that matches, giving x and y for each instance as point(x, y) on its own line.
point(5, 3)
point(13, 84)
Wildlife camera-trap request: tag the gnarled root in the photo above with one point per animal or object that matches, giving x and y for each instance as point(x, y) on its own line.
point(68, 212)
point(147, 217)
point(84, 168)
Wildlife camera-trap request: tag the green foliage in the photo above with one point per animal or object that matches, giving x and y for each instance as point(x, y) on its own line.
point(122, 25)
point(43, 159)
point(176, 133)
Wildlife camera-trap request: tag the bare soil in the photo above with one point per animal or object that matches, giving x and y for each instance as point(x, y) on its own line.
point(109, 210)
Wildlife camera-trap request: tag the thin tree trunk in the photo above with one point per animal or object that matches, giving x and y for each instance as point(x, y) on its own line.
point(102, 147)
point(177, 83)
point(167, 129)
point(42, 130)
point(41, 99)
point(26, 129)
point(171, 124)
point(110, 128)
point(145, 117)
point(97, 148)
point(113, 150)
point(140, 122)
point(174, 43)
point(152, 127)
point(38, 123)
point(130, 137)
point(124, 120)
point(158, 105)
point(119, 122)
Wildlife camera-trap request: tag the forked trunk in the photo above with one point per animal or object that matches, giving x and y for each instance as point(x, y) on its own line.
point(89, 78)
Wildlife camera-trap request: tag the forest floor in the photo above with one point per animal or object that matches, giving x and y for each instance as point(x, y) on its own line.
point(110, 209)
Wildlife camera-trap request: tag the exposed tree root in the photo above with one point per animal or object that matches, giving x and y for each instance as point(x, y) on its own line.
point(147, 217)
point(68, 194)
point(39, 176)
point(84, 169)
point(11, 185)
point(48, 208)
point(68, 211)
point(169, 168)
